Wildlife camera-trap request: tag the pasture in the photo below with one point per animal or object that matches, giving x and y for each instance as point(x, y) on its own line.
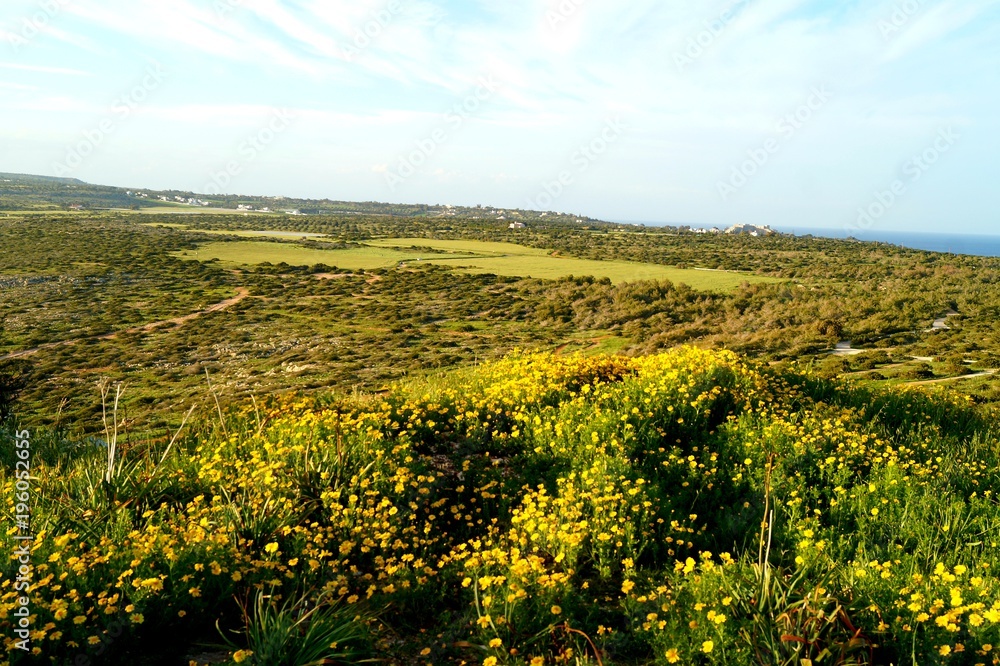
point(470, 256)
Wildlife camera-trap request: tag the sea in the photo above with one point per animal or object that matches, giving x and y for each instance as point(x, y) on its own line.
point(980, 245)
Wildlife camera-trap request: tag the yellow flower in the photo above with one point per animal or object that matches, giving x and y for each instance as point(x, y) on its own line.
point(707, 646)
point(271, 548)
point(137, 618)
point(538, 661)
point(79, 619)
point(495, 643)
point(673, 656)
point(627, 586)
point(241, 655)
point(426, 651)
point(490, 661)
point(944, 650)
point(556, 610)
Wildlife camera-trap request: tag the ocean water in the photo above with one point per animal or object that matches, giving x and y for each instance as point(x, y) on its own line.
point(984, 246)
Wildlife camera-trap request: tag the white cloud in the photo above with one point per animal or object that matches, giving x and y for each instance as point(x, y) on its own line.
point(558, 83)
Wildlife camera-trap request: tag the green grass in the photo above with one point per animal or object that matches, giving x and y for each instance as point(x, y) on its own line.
point(257, 233)
point(519, 261)
point(259, 252)
point(196, 210)
point(505, 259)
point(464, 246)
point(263, 234)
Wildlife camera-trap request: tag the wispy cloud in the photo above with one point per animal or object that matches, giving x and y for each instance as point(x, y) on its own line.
point(564, 67)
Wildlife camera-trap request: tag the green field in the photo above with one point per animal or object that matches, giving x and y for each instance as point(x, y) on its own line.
point(259, 252)
point(467, 255)
point(253, 233)
point(195, 210)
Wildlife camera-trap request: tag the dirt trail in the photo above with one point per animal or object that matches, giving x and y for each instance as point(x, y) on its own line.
point(845, 349)
point(941, 323)
point(241, 293)
point(952, 379)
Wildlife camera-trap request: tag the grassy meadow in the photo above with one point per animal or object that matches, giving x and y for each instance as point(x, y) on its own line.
point(259, 252)
point(506, 259)
point(692, 507)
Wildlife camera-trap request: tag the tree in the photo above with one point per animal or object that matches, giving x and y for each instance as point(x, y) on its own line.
point(14, 378)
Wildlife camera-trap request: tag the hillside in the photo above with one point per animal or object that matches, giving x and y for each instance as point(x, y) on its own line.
point(689, 507)
point(356, 302)
point(23, 192)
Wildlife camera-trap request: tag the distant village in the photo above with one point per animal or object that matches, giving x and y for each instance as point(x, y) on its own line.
point(478, 212)
point(748, 229)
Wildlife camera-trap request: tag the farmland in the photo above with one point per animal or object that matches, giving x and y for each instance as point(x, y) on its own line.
point(506, 259)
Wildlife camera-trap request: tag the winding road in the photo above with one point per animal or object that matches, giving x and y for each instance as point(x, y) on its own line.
point(241, 293)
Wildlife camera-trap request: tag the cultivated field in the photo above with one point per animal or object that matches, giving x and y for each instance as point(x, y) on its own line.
point(471, 256)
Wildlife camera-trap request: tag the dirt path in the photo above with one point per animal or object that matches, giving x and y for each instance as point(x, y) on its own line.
point(941, 323)
point(988, 373)
point(845, 349)
point(241, 293)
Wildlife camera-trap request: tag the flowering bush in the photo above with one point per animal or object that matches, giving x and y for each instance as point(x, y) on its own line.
point(690, 507)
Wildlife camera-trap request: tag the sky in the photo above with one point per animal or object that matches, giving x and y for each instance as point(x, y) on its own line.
point(856, 116)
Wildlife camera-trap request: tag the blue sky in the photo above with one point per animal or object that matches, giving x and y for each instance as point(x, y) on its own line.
point(785, 112)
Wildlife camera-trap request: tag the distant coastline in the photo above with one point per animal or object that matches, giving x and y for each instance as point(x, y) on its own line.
point(979, 245)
